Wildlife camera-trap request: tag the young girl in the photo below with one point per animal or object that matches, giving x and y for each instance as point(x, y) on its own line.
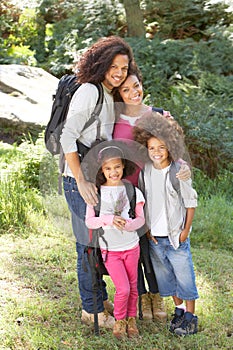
point(120, 243)
point(169, 216)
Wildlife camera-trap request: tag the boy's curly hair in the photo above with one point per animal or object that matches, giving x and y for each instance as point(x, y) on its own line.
point(153, 124)
point(95, 62)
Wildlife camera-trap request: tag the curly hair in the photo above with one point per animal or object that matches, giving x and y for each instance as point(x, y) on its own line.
point(153, 124)
point(95, 62)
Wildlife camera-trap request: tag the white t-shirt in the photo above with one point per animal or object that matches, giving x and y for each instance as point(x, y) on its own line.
point(159, 226)
point(114, 198)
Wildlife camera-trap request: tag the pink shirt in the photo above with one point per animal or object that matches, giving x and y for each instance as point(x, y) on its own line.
point(123, 130)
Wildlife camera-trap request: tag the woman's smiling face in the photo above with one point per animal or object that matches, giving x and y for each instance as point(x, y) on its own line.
point(131, 91)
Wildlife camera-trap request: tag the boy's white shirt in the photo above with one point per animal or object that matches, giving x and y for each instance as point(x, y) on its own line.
point(159, 225)
point(175, 205)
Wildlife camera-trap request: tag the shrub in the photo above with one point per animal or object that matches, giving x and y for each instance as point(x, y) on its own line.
point(213, 224)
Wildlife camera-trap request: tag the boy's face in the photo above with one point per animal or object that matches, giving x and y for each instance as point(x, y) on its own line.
point(117, 72)
point(158, 153)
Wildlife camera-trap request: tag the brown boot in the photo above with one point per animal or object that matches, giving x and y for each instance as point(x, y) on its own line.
point(119, 329)
point(146, 307)
point(109, 306)
point(132, 329)
point(159, 312)
point(104, 319)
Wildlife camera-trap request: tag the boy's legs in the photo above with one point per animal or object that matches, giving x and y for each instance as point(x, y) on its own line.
point(175, 267)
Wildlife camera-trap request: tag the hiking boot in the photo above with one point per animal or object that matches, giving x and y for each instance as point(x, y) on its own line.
point(119, 329)
point(158, 308)
point(188, 326)
point(177, 319)
point(132, 329)
point(104, 319)
point(108, 306)
point(146, 307)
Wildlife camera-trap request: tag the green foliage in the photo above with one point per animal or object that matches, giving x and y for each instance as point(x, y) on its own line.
point(206, 187)
point(213, 224)
point(16, 204)
point(191, 77)
point(181, 19)
point(86, 22)
point(197, 90)
point(27, 172)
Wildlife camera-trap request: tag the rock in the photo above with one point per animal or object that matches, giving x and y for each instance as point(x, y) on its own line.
point(25, 98)
point(26, 93)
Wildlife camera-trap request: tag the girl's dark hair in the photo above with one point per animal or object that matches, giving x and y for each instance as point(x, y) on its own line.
point(110, 152)
point(95, 62)
point(153, 124)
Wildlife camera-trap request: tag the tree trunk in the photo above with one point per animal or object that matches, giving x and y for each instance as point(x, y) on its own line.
point(134, 18)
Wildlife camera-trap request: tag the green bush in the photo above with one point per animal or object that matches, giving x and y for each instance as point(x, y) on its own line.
point(16, 204)
point(213, 224)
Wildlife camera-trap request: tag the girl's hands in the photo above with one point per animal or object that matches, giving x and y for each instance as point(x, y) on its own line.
point(119, 222)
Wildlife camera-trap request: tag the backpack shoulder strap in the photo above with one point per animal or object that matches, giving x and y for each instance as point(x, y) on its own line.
point(97, 206)
point(95, 114)
point(131, 193)
point(174, 168)
point(156, 109)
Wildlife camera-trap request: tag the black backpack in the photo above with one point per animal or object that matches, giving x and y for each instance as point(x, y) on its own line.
point(61, 100)
point(93, 251)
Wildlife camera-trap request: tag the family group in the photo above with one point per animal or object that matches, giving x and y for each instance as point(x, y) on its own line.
point(146, 251)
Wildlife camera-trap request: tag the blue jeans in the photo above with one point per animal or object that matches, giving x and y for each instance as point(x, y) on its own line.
point(77, 208)
point(173, 269)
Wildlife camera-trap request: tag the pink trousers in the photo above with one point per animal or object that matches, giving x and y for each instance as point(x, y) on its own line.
point(123, 269)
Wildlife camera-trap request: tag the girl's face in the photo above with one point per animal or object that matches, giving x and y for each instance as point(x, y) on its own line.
point(113, 171)
point(131, 91)
point(158, 153)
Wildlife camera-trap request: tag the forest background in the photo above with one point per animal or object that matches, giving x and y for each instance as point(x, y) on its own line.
point(184, 50)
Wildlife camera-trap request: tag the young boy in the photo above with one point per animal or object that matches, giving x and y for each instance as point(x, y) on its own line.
point(169, 215)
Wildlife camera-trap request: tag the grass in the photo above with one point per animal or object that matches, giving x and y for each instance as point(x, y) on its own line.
point(40, 305)
point(39, 301)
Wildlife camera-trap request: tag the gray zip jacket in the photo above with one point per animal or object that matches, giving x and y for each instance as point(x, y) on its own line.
point(176, 202)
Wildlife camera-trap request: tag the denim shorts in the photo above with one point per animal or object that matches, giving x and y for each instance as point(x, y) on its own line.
point(173, 269)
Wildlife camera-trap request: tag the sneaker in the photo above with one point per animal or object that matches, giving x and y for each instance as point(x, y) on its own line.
point(119, 329)
point(108, 306)
point(188, 326)
point(177, 319)
point(104, 319)
point(132, 329)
